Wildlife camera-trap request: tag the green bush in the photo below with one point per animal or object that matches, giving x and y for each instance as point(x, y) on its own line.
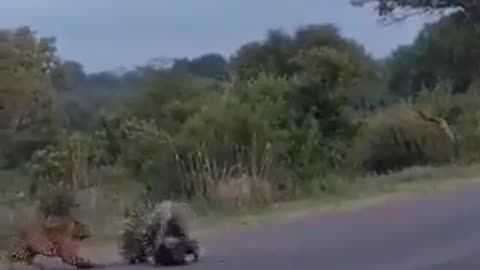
point(57, 201)
point(462, 112)
point(396, 138)
point(55, 162)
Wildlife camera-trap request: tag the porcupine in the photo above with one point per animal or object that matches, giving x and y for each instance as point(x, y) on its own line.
point(158, 230)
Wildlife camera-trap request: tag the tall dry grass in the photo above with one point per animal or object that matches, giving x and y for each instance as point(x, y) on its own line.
point(237, 176)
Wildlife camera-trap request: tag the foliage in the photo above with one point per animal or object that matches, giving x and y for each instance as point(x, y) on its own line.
point(67, 160)
point(396, 138)
point(444, 52)
point(282, 117)
point(210, 65)
point(395, 10)
point(141, 141)
point(225, 136)
point(461, 111)
point(142, 148)
point(170, 98)
point(277, 53)
point(26, 109)
point(57, 202)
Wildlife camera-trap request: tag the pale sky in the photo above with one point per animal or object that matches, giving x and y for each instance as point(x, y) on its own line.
point(106, 34)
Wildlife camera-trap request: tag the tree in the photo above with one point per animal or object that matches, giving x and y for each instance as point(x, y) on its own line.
point(24, 93)
point(26, 63)
point(395, 10)
point(171, 98)
point(247, 61)
point(68, 75)
point(276, 55)
point(326, 73)
point(443, 52)
point(211, 65)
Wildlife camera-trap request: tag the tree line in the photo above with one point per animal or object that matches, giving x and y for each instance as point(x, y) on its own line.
point(273, 121)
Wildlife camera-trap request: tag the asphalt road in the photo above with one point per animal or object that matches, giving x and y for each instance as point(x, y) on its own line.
point(440, 232)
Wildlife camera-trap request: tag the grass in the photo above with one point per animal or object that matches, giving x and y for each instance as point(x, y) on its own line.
point(362, 192)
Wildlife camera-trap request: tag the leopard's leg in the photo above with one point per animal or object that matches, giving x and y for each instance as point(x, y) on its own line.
point(23, 254)
point(41, 245)
point(18, 252)
point(68, 252)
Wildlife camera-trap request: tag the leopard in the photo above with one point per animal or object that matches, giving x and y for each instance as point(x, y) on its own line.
point(51, 238)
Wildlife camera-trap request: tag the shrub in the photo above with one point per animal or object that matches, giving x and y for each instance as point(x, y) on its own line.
point(397, 137)
point(462, 112)
point(57, 201)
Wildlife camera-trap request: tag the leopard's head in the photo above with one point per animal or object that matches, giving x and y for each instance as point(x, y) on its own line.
point(81, 231)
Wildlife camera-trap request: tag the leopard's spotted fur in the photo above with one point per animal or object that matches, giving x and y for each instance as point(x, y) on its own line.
point(51, 238)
